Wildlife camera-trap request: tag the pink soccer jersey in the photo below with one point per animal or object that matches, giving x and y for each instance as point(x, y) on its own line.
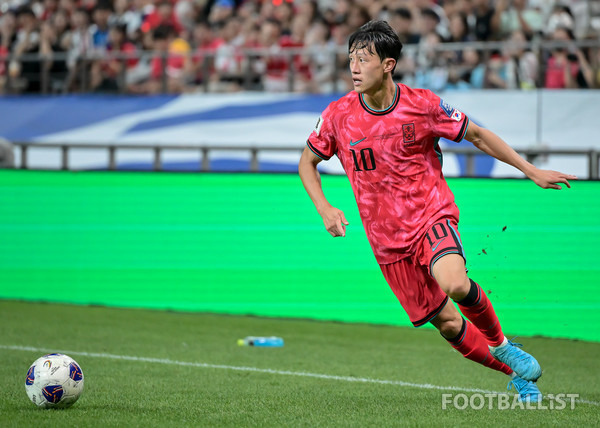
point(394, 163)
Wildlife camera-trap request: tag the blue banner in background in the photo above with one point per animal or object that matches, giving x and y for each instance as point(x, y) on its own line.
point(27, 118)
point(555, 119)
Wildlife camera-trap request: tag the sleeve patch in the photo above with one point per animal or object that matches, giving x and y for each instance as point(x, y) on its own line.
point(456, 115)
point(448, 109)
point(318, 125)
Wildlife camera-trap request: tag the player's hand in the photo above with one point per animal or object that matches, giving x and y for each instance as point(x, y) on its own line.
point(335, 222)
point(548, 179)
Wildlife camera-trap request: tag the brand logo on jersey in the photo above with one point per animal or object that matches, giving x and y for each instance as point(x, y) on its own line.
point(437, 245)
point(448, 109)
point(354, 143)
point(318, 125)
point(408, 133)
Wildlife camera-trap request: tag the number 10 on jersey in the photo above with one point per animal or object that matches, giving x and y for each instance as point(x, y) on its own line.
point(365, 160)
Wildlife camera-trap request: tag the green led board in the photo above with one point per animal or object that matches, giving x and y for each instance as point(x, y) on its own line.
point(253, 244)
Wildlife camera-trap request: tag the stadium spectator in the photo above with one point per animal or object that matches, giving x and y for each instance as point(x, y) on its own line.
point(301, 64)
point(456, 6)
point(27, 43)
point(79, 42)
point(162, 15)
point(125, 14)
point(99, 29)
point(223, 10)
point(284, 14)
point(186, 15)
point(473, 70)
point(562, 17)
point(68, 6)
point(49, 8)
point(524, 64)
point(8, 30)
point(274, 65)
point(340, 34)
point(136, 79)
point(248, 11)
point(341, 11)
point(358, 16)
point(401, 20)
point(483, 13)
point(8, 38)
point(107, 74)
point(250, 33)
point(459, 33)
point(309, 9)
point(458, 27)
point(54, 66)
point(511, 15)
point(205, 44)
point(60, 23)
point(228, 58)
point(567, 66)
point(516, 68)
point(249, 21)
point(429, 12)
point(432, 70)
point(321, 57)
point(164, 71)
point(430, 23)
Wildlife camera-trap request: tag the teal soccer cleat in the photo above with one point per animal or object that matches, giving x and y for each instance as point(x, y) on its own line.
point(524, 365)
point(528, 391)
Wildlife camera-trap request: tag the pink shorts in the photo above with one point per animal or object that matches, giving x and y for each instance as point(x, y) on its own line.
point(411, 279)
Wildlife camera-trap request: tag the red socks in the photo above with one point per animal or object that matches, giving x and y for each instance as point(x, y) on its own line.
point(479, 310)
point(472, 345)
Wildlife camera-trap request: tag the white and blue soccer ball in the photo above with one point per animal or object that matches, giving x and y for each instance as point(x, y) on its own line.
point(54, 381)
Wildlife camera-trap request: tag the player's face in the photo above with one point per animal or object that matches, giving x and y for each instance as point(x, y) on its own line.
point(367, 70)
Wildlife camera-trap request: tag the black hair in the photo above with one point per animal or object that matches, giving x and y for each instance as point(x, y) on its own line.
point(104, 5)
point(273, 21)
point(163, 32)
point(430, 13)
point(120, 27)
point(564, 8)
point(567, 30)
point(24, 10)
point(378, 35)
point(403, 12)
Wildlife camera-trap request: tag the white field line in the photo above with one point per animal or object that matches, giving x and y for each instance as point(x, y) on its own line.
point(268, 371)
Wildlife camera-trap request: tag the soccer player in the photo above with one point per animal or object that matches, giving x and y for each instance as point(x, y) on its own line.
point(386, 137)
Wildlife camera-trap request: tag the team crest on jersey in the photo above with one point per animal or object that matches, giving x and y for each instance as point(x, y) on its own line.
point(408, 133)
point(318, 125)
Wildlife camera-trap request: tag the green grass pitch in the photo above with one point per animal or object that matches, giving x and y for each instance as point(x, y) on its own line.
point(156, 368)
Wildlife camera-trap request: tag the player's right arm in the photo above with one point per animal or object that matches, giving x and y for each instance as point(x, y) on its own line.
point(333, 218)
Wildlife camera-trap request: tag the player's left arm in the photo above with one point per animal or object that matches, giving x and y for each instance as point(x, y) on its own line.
point(490, 143)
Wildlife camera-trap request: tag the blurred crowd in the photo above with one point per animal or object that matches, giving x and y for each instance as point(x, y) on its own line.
point(176, 46)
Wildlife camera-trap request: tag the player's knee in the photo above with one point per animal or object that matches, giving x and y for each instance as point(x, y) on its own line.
point(456, 287)
point(451, 327)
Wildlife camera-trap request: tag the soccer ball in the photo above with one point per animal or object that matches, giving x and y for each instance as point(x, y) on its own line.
point(54, 381)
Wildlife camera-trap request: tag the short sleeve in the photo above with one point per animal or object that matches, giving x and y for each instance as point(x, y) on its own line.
point(322, 140)
point(447, 121)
